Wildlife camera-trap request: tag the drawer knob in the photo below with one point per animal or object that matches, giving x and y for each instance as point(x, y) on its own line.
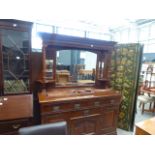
point(16, 126)
point(86, 112)
point(112, 101)
point(56, 108)
point(97, 103)
point(77, 106)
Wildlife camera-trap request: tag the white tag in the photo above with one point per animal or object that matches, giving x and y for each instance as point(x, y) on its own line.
point(5, 99)
point(1, 103)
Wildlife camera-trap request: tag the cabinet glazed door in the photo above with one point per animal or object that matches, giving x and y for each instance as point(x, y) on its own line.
point(15, 61)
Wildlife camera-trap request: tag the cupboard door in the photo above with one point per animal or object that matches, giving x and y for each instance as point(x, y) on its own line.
point(16, 107)
point(12, 127)
point(54, 118)
point(84, 125)
point(15, 48)
point(108, 120)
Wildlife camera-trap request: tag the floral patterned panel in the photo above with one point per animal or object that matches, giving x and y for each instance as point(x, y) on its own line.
point(125, 68)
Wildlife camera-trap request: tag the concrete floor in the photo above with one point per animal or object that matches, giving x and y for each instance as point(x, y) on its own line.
point(138, 118)
point(123, 132)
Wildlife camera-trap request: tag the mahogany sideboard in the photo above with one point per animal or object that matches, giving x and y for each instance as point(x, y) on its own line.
point(86, 110)
point(85, 101)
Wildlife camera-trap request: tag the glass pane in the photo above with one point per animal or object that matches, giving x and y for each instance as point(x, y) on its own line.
point(144, 32)
point(15, 49)
point(152, 33)
point(124, 36)
point(101, 36)
point(75, 67)
point(117, 36)
point(71, 32)
point(133, 36)
point(151, 48)
point(44, 28)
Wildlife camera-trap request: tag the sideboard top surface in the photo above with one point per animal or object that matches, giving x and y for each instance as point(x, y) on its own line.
point(70, 94)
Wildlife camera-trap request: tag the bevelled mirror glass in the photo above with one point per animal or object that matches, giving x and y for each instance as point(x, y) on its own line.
point(75, 67)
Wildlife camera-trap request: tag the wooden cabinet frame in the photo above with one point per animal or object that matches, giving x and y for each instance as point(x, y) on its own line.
point(87, 109)
point(16, 107)
point(55, 42)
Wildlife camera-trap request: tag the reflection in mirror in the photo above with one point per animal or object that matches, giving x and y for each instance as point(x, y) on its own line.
point(100, 69)
point(49, 68)
point(75, 67)
point(49, 65)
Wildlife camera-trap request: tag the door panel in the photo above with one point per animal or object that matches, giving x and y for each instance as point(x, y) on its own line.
point(84, 124)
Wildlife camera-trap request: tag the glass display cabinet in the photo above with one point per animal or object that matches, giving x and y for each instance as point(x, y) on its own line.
point(75, 84)
point(15, 50)
point(16, 102)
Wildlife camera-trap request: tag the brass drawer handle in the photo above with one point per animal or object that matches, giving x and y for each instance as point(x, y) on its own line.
point(86, 112)
point(97, 103)
point(77, 106)
point(112, 102)
point(56, 108)
point(16, 126)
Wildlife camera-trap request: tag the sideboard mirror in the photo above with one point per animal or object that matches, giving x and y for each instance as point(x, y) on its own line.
point(73, 61)
point(75, 67)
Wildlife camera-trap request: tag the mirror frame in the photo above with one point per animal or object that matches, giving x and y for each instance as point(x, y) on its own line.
point(57, 42)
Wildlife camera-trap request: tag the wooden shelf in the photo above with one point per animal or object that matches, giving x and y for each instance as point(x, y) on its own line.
point(102, 80)
point(45, 81)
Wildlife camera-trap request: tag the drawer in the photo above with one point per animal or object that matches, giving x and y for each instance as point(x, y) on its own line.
point(109, 101)
point(88, 104)
point(11, 126)
point(77, 105)
point(54, 118)
point(16, 107)
point(84, 113)
point(57, 108)
point(67, 107)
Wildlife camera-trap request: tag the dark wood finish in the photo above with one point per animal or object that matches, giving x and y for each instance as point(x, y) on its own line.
point(84, 125)
point(15, 107)
point(55, 42)
point(12, 127)
point(88, 109)
point(20, 25)
point(36, 66)
point(70, 42)
point(108, 120)
point(15, 112)
point(12, 26)
point(94, 113)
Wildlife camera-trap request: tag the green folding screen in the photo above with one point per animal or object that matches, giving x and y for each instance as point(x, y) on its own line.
point(125, 69)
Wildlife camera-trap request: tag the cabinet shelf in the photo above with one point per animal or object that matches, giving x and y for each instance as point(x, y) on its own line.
point(45, 81)
point(48, 71)
point(102, 80)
